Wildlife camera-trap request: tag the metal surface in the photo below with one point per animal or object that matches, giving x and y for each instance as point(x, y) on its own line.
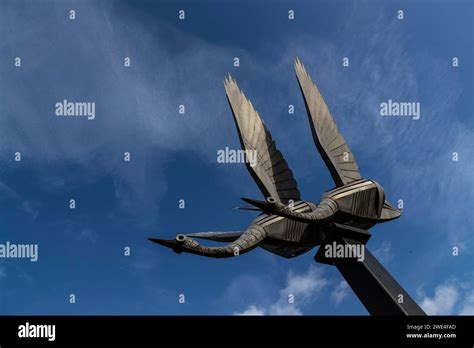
point(330, 143)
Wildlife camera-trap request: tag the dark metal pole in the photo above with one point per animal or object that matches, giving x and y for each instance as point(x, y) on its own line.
point(375, 287)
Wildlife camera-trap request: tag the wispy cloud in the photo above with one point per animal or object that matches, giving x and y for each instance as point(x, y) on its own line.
point(340, 292)
point(300, 290)
point(384, 252)
point(137, 112)
point(252, 310)
point(449, 298)
point(23, 204)
point(442, 302)
point(467, 307)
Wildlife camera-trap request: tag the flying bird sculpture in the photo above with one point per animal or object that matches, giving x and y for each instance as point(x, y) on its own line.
point(289, 226)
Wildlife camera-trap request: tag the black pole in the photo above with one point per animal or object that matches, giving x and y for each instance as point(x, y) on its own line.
point(375, 287)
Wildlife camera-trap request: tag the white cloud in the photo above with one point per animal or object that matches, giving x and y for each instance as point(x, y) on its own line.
point(340, 292)
point(443, 301)
point(135, 113)
point(384, 252)
point(450, 298)
point(467, 307)
point(252, 310)
point(300, 289)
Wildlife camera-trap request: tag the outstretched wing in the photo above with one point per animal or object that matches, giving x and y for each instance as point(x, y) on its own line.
point(330, 143)
point(270, 171)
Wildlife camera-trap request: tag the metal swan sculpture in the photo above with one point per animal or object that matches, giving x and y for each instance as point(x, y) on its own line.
point(287, 225)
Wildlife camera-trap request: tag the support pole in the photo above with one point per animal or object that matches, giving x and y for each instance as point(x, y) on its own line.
point(375, 287)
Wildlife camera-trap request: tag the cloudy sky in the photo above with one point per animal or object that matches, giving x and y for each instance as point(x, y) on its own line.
point(174, 156)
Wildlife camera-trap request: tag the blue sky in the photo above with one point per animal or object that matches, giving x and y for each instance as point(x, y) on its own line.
point(174, 62)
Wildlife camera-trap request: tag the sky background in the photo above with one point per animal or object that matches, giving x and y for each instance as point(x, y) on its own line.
point(174, 156)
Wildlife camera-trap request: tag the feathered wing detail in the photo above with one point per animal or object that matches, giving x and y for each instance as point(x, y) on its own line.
point(271, 172)
point(330, 143)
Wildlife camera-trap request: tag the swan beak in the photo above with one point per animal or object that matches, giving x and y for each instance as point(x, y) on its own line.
point(172, 244)
point(267, 206)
